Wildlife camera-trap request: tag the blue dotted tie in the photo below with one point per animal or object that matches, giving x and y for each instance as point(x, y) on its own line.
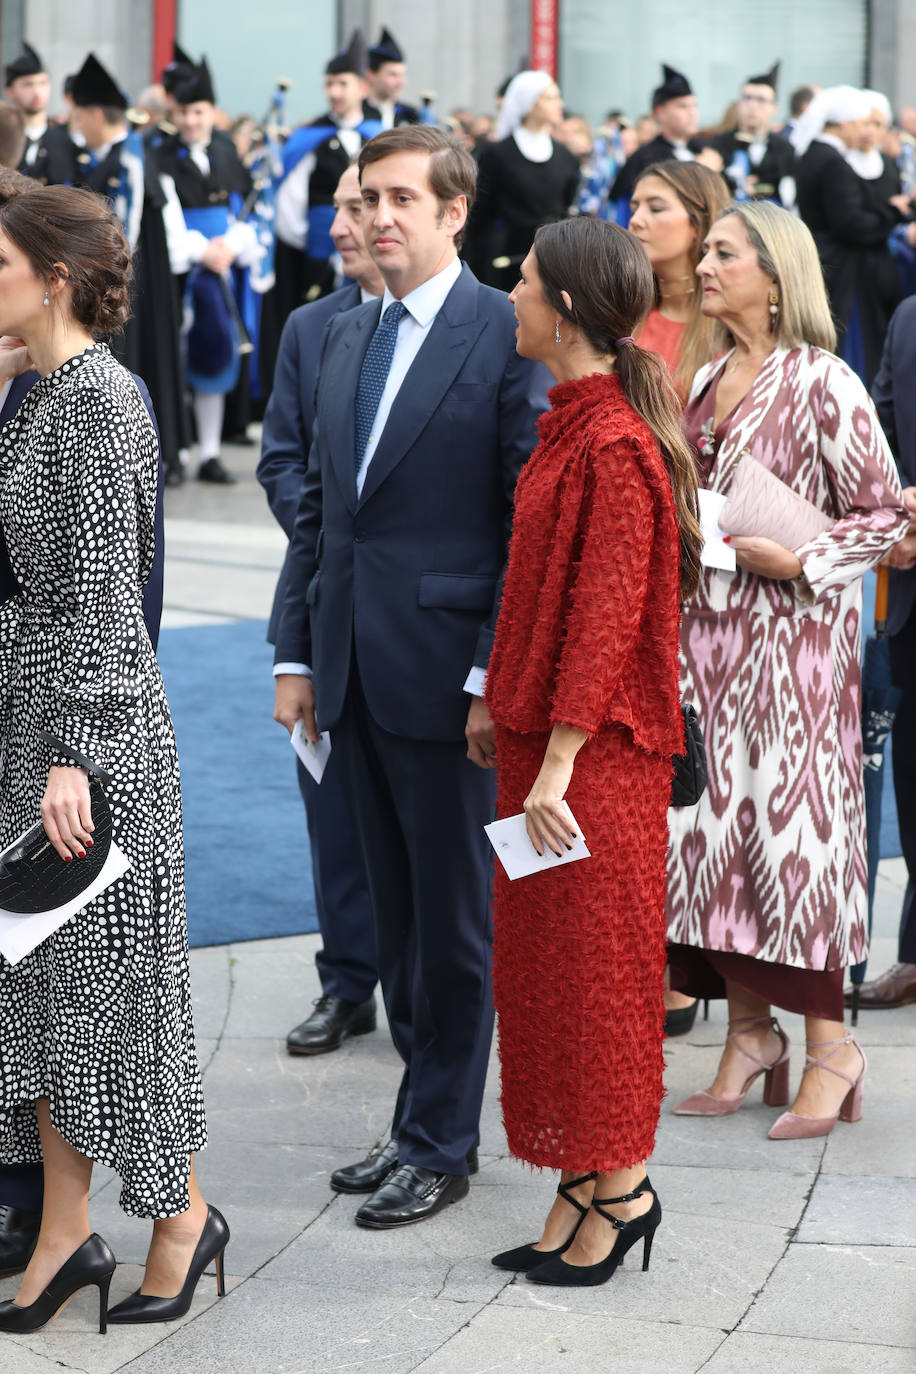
point(374, 375)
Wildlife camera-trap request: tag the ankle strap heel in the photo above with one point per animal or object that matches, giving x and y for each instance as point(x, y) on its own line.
point(564, 1190)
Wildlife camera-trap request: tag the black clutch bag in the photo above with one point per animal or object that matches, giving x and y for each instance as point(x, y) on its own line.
point(690, 772)
point(33, 876)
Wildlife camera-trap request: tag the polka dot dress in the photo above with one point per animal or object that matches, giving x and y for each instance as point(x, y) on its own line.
point(98, 1018)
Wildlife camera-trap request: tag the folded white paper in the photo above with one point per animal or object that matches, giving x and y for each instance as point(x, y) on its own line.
point(313, 756)
point(19, 934)
point(518, 855)
point(716, 553)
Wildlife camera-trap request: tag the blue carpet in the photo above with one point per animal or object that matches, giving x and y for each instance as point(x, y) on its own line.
point(891, 847)
point(249, 875)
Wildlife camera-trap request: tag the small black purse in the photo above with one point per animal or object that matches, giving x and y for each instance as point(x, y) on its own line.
point(690, 772)
point(33, 876)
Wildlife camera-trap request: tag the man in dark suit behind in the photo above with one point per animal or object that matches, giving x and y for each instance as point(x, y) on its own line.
point(346, 961)
point(895, 399)
point(425, 415)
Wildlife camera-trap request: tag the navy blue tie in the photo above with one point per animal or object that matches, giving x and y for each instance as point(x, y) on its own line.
point(374, 375)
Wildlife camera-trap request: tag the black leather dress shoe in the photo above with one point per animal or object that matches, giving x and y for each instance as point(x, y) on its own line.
point(212, 470)
point(370, 1173)
point(411, 1194)
point(18, 1234)
point(333, 1019)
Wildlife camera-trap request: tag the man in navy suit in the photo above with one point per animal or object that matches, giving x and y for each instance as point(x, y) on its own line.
point(895, 399)
point(425, 415)
point(21, 1185)
point(346, 961)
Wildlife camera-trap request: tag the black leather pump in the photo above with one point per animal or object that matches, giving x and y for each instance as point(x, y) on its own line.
point(526, 1256)
point(91, 1266)
point(141, 1307)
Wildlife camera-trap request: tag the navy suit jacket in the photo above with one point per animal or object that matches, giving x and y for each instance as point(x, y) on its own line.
point(894, 395)
point(290, 415)
point(409, 574)
point(152, 595)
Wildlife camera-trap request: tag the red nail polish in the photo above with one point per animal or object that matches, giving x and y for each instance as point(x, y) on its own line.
point(81, 853)
point(68, 858)
point(88, 844)
point(726, 539)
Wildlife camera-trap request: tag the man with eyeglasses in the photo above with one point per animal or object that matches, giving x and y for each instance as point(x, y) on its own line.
point(758, 163)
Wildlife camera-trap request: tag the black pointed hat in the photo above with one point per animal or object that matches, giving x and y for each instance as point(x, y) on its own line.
point(769, 78)
point(180, 67)
point(387, 49)
point(28, 63)
point(93, 85)
point(673, 87)
point(353, 58)
point(194, 84)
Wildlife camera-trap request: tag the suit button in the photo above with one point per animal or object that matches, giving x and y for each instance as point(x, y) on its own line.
point(359, 537)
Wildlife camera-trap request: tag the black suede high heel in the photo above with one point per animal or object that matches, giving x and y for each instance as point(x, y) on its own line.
point(562, 1275)
point(142, 1307)
point(525, 1256)
point(91, 1266)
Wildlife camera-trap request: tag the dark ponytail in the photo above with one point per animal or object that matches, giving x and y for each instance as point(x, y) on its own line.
point(607, 275)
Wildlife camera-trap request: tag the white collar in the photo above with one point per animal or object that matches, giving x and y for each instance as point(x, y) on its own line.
point(425, 301)
point(868, 165)
point(536, 146)
point(833, 142)
point(366, 296)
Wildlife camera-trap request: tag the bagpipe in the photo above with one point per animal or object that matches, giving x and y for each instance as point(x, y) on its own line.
point(266, 167)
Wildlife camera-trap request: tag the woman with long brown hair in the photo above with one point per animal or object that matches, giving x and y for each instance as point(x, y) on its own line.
point(673, 204)
point(582, 687)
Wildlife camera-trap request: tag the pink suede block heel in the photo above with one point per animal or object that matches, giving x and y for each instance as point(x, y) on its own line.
point(791, 1126)
point(776, 1075)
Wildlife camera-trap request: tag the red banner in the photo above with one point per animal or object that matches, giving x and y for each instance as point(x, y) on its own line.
point(165, 18)
point(544, 35)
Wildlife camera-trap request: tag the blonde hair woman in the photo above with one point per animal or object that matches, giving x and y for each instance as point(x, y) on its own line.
point(766, 898)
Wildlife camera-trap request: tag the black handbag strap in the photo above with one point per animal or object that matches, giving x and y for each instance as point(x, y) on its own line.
point(60, 747)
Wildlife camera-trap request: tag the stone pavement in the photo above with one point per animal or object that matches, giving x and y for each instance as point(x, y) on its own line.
point(794, 1257)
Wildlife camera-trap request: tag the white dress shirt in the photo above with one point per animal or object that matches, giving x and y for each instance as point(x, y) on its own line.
point(422, 305)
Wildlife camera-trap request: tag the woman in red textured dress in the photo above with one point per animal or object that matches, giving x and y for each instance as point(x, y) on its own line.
point(583, 690)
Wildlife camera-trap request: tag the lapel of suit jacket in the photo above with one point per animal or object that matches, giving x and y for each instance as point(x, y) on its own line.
point(341, 424)
point(451, 337)
point(19, 388)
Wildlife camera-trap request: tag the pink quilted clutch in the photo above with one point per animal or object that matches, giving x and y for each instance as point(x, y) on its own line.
point(760, 503)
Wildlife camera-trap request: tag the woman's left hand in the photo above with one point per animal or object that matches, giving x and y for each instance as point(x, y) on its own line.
point(765, 557)
point(548, 819)
point(66, 812)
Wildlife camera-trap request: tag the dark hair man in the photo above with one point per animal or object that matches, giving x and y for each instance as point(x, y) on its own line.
point(425, 415)
point(674, 108)
point(28, 88)
point(387, 77)
point(758, 163)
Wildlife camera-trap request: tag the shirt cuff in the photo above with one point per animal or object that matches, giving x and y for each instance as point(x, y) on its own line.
point(299, 669)
point(476, 682)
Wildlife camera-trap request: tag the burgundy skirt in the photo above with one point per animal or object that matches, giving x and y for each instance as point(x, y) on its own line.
point(704, 972)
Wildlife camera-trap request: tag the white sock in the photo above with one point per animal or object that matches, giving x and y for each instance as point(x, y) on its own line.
point(208, 413)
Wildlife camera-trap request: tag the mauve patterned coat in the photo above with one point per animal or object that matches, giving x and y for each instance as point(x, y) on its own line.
point(587, 636)
point(771, 863)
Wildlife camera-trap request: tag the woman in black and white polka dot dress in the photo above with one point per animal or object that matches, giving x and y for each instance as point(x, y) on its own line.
point(97, 1054)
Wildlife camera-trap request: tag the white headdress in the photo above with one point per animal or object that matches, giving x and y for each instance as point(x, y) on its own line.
point(523, 93)
point(836, 105)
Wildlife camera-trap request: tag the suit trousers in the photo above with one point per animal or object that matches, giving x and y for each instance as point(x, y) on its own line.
point(22, 1186)
point(346, 961)
point(903, 746)
point(419, 807)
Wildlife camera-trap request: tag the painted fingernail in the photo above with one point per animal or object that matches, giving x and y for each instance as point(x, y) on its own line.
point(88, 844)
point(726, 539)
point(81, 853)
point(68, 858)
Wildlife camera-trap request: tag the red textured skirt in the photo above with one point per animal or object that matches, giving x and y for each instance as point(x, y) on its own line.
point(578, 963)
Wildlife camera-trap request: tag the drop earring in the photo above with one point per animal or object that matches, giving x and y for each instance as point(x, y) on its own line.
point(46, 301)
point(557, 323)
point(773, 299)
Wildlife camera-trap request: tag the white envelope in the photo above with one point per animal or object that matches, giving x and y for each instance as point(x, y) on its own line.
point(518, 855)
point(313, 756)
point(19, 934)
point(716, 553)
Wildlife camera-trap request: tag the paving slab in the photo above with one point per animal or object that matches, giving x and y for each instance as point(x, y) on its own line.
point(840, 1293)
point(285, 966)
point(211, 988)
point(548, 1341)
point(860, 1211)
point(745, 1353)
point(883, 1141)
point(281, 1328)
